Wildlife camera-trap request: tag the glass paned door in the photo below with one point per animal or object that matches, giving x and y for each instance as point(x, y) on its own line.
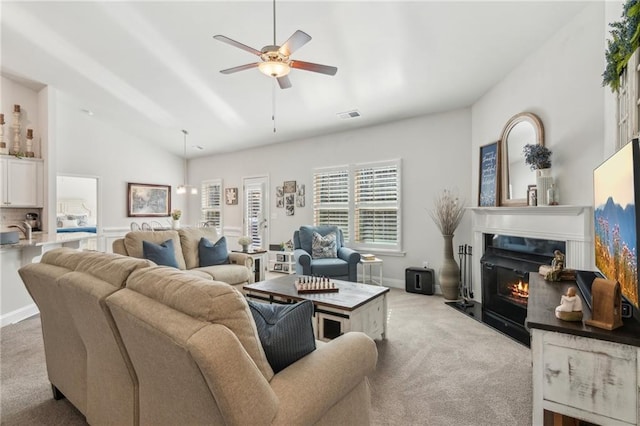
point(255, 210)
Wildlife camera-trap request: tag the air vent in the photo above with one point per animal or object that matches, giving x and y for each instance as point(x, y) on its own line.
point(349, 114)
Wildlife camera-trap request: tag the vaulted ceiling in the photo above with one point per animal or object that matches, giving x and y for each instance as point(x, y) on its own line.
point(152, 68)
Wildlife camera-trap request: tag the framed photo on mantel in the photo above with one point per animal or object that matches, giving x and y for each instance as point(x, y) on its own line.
point(488, 179)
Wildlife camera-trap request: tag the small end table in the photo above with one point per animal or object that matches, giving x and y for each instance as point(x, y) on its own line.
point(370, 264)
point(258, 267)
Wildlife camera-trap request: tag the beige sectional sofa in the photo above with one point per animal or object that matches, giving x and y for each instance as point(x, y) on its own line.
point(185, 243)
point(128, 342)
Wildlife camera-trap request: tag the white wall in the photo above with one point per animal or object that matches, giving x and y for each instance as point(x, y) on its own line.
point(562, 84)
point(435, 153)
point(88, 146)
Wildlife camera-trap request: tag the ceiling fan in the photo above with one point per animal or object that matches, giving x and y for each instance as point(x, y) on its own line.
point(276, 61)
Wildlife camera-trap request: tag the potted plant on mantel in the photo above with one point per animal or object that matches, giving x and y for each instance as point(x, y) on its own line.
point(624, 41)
point(447, 215)
point(538, 158)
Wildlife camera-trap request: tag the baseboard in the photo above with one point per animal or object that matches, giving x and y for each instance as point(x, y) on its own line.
point(18, 315)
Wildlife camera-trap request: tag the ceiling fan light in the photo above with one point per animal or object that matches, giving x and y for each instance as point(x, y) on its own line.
point(274, 68)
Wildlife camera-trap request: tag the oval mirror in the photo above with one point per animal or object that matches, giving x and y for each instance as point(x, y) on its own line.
point(522, 129)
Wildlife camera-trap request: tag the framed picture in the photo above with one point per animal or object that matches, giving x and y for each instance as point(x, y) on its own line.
point(280, 202)
point(532, 195)
point(289, 186)
point(285, 267)
point(279, 257)
point(299, 200)
point(279, 191)
point(289, 204)
point(488, 179)
point(231, 196)
point(148, 200)
point(277, 266)
point(301, 190)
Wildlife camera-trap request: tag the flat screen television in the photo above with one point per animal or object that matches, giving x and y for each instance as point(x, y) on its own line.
point(616, 188)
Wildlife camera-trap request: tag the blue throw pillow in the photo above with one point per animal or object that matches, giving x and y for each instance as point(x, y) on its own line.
point(213, 254)
point(160, 254)
point(286, 331)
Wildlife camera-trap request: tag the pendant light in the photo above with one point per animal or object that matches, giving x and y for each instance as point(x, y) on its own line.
point(182, 189)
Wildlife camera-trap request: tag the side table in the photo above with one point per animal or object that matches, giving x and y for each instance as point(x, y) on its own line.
point(259, 265)
point(370, 264)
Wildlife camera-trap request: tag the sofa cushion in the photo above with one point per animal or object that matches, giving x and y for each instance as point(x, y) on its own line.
point(162, 254)
point(210, 301)
point(190, 239)
point(286, 331)
point(324, 247)
point(133, 243)
point(213, 253)
point(230, 274)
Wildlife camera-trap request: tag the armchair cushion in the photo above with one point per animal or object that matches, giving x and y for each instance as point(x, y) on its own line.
point(306, 236)
point(324, 246)
point(330, 267)
point(213, 254)
point(285, 331)
point(162, 254)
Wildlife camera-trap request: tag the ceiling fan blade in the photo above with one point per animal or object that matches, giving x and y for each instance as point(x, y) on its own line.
point(284, 82)
point(237, 44)
point(309, 66)
point(240, 68)
point(295, 42)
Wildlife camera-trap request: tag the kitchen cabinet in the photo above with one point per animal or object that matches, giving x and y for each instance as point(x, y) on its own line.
point(21, 182)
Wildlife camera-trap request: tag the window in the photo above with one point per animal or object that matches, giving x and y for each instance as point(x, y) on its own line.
point(211, 203)
point(364, 201)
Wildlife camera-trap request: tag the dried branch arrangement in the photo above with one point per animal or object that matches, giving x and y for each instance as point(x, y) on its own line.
point(448, 212)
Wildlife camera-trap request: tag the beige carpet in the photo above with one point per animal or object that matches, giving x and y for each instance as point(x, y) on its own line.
point(437, 367)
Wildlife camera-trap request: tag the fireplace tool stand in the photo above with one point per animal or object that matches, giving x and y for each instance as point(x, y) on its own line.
point(466, 273)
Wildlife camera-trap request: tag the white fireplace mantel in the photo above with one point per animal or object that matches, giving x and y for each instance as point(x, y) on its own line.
point(571, 224)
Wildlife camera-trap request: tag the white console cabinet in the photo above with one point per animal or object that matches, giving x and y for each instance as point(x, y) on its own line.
point(21, 182)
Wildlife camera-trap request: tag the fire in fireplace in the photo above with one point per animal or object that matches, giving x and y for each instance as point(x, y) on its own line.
point(506, 265)
point(519, 292)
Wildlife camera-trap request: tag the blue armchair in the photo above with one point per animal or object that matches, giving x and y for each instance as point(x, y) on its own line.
point(342, 267)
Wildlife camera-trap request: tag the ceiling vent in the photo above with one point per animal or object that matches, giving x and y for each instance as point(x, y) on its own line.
point(349, 114)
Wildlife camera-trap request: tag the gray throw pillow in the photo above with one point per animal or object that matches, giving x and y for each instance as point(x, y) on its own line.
point(324, 247)
point(161, 254)
point(285, 331)
point(210, 254)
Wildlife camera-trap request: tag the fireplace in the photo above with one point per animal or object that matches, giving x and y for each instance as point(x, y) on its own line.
point(506, 264)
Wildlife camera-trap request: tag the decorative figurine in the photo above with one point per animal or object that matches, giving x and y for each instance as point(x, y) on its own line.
point(555, 272)
point(570, 308)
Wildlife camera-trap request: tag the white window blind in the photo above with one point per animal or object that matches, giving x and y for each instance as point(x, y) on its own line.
point(331, 198)
point(364, 201)
point(211, 203)
point(376, 199)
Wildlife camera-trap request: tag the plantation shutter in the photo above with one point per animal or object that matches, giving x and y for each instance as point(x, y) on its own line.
point(331, 199)
point(211, 203)
point(377, 205)
point(253, 208)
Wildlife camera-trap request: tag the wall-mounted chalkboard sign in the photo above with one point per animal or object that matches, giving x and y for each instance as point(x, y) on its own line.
point(488, 186)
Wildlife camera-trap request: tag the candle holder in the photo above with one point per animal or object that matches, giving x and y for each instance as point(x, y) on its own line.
point(29, 149)
point(15, 149)
point(4, 150)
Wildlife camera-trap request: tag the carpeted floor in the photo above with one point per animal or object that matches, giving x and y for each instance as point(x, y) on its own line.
point(436, 367)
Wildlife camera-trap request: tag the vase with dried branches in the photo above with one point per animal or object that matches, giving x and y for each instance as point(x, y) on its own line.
point(447, 214)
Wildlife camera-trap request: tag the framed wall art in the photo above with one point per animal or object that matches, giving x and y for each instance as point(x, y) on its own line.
point(488, 179)
point(148, 200)
point(231, 196)
point(289, 186)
